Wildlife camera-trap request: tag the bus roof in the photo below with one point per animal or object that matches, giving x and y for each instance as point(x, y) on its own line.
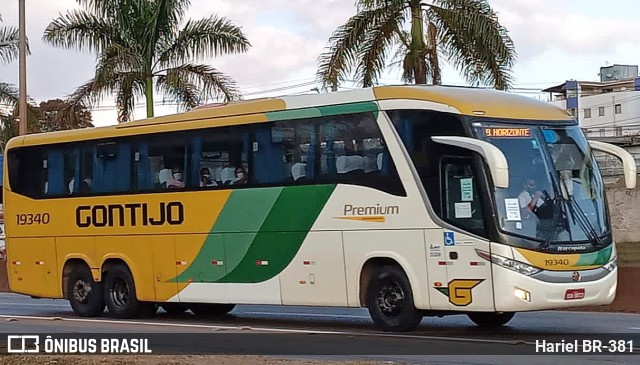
point(464, 100)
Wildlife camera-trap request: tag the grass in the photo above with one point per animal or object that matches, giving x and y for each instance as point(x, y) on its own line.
point(628, 254)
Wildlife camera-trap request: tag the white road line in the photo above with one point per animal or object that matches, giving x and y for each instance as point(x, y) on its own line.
point(37, 305)
point(635, 328)
point(162, 324)
point(303, 314)
point(268, 329)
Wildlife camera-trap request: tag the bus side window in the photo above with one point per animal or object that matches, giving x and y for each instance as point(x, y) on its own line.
point(461, 204)
point(112, 167)
point(269, 161)
point(61, 172)
point(142, 167)
point(223, 158)
point(86, 169)
point(167, 161)
point(353, 152)
point(27, 169)
point(285, 148)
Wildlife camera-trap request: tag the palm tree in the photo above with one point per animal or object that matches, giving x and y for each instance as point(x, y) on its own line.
point(141, 48)
point(8, 93)
point(466, 33)
point(8, 52)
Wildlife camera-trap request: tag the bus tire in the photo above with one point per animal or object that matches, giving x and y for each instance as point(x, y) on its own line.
point(120, 295)
point(490, 319)
point(174, 309)
point(85, 295)
point(390, 301)
point(211, 310)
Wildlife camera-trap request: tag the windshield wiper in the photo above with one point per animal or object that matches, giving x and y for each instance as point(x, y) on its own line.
point(579, 217)
point(556, 211)
point(554, 221)
point(584, 222)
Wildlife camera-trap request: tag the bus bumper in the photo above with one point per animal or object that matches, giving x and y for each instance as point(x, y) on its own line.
point(515, 292)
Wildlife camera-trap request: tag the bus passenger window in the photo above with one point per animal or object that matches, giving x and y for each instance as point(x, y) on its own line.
point(223, 158)
point(352, 151)
point(62, 170)
point(27, 170)
point(161, 165)
point(112, 168)
point(86, 169)
point(286, 153)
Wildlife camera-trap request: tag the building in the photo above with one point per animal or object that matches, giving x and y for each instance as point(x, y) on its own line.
point(606, 108)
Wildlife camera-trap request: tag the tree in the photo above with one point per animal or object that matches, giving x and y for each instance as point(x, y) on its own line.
point(59, 115)
point(466, 33)
point(49, 116)
point(8, 52)
point(9, 97)
point(141, 48)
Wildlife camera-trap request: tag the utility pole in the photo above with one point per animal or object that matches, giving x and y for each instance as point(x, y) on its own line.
point(22, 112)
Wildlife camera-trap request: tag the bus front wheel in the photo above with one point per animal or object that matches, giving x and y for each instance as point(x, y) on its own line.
point(490, 319)
point(85, 295)
point(120, 295)
point(390, 300)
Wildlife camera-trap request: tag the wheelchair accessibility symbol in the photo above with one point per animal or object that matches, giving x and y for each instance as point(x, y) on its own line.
point(448, 239)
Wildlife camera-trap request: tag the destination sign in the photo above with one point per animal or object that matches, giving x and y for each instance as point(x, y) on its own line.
point(507, 132)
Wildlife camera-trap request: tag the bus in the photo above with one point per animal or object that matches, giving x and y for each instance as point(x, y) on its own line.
point(410, 201)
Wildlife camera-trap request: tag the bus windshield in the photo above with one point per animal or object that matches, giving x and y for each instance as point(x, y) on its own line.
point(556, 192)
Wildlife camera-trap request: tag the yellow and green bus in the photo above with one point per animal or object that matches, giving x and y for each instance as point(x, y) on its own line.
point(411, 201)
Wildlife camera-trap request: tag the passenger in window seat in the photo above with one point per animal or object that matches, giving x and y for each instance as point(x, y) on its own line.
point(171, 178)
point(205, 178)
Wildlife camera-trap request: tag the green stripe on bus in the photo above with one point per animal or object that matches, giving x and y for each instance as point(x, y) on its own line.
point(246, 210)
point(266, 225)
point(233, 232)
point(282, 234)
point(349, 108)
point(362, 107)
point(201, 269)
point(596, 258)
point(293, 114)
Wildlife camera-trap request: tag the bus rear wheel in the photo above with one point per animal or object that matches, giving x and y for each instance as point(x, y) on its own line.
point(120, 295)
point(211, 310)
point(390, 301)
point(85, 295)
point(490, 319)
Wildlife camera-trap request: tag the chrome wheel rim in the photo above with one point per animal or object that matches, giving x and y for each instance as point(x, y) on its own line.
point(391, 299)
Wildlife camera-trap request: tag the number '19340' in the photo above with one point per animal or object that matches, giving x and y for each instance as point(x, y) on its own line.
point(27, 219)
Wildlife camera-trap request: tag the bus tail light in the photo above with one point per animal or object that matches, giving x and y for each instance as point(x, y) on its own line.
point(510, 264)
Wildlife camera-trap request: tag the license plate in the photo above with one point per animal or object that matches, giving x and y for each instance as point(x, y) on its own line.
point(571, 294)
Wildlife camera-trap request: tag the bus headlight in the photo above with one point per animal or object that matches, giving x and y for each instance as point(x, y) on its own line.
point(611, 265)
point(517, 266)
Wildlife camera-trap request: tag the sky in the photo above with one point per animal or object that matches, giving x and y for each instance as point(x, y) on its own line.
point(556, 40)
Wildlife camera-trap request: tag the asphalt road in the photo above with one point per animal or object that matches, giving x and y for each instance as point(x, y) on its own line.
point(341, 333)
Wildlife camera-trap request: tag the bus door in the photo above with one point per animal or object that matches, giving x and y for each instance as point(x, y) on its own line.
point(469, 282)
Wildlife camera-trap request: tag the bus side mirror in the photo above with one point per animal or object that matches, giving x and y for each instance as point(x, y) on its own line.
point(628, 162)
point(492, 155)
